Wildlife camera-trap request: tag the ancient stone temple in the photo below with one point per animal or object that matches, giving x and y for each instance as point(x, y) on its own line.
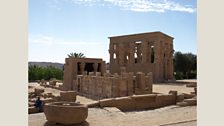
point(144, 52)
point(81, 66)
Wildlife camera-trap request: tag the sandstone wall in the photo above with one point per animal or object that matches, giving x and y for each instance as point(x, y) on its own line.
point(99, 87)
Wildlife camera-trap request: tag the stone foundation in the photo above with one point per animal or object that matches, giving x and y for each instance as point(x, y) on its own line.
point(99, 87)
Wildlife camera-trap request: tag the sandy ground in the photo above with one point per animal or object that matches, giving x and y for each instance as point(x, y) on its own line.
point(165, 88)
point(114, 117)
point(167, 116)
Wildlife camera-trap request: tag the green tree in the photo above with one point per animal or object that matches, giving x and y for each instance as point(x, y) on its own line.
point(185, 65)
point(38, 73)
point(76, 55)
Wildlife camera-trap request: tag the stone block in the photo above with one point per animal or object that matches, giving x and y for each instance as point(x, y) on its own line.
point(130, 84)
point(75, 85)
point(91, 74)
point(182, 104)
point(144, 101)
point(107, 102)
point(93, 104)
point(115, 87)
point(68, 96)
point(38, 91)
point(187, 96)
point(99, 87)
point(191, 85)
point(165, 100)
point(108, 87)
point(140, 80)
point(91, 89)
point(123, 87)
point(191, 101)
point(180, 97)
point(125, 103)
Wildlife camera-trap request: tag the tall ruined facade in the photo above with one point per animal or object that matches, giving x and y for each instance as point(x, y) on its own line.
point(144, 52)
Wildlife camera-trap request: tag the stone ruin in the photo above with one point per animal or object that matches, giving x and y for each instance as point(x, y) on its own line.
point(144, 52)
point(136, 61)
point(99, 87)
point(65, 96)
point(81, 66)
point(52, 83)
point(88, 77)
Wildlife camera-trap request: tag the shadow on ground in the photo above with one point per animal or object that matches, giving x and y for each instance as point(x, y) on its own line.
point(57, 124)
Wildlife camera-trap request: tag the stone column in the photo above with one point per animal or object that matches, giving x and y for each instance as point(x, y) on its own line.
point(130, 83)
point(117, 57)
point(149, 52)
point(157, 64)
point(121, 55)
point(144, 52)
point(140, 78)
point(150, 82)
point(82, 66)
point(132, 53)
point(166, 68)
point(138, 54)
point(111, 55)
point(95, 66)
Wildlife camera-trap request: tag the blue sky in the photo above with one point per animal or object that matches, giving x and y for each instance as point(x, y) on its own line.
point(59, 27)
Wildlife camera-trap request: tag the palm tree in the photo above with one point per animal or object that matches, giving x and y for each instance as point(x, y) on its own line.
point(76, 55)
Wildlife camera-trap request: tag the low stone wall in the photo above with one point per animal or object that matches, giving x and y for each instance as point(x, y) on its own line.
point(137, 102)
point(125, 103)
point(103, 87)
point(68, 96)
point(99, 87)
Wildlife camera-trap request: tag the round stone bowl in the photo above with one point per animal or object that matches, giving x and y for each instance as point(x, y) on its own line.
point(65, 112)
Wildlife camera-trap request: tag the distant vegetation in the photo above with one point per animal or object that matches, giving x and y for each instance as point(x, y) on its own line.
point(185, 65)
point(38, 73)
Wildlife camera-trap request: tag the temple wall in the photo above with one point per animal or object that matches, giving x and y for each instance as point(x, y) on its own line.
point(99, 87)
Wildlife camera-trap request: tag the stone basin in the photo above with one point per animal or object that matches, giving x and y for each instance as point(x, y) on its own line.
point(65, 112)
